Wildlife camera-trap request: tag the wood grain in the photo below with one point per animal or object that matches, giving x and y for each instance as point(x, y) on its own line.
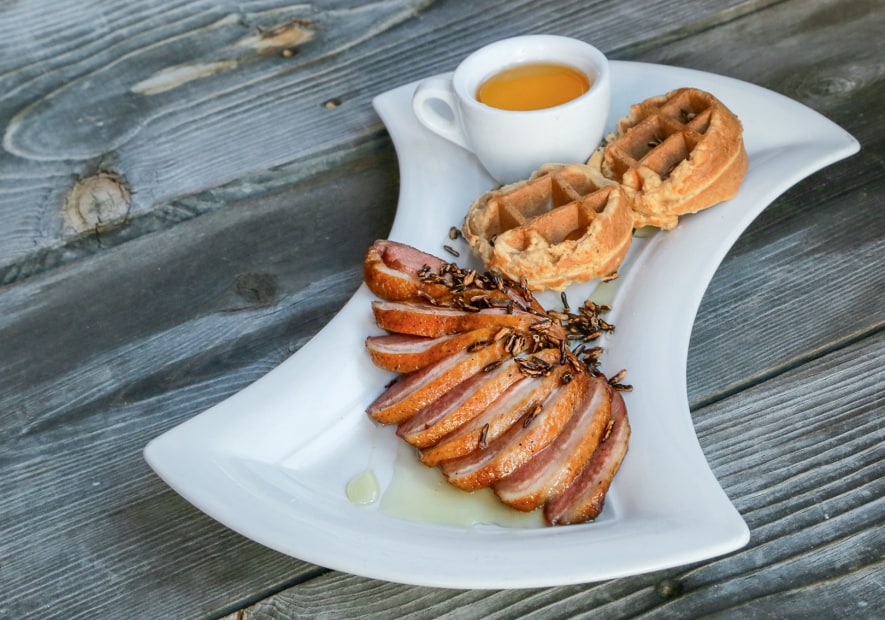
point(252, 202)
point(806, 472)
point(98, 361)
point(177, 98)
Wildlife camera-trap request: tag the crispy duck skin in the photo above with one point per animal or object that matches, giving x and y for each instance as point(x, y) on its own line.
point(517, 401)
point(404, 353)
point(464, 403)
point(583, 500)
point(424, 319)
point(541, 432)
point(523, 440)
point(391, 270)
point(459, 405)
point(555, 467)
point(412, 392)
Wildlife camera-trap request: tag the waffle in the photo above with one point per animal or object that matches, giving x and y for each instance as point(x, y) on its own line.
point(674, 154)
point(554, 229)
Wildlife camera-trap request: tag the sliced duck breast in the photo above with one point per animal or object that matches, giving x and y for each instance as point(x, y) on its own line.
point(583, 500)
point(523, 440)
point(412, 392)
point(517, 401)
point(425, 319)
point(464, 403)
point(391, 271)
point(555, 467)
point(405, 353)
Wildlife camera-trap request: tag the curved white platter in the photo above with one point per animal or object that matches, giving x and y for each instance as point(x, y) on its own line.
point(273, 461)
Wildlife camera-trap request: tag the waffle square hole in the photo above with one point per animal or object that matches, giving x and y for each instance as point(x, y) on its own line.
point(563, 223)
point(644, 137)
point(540, 195)
point(686, 107)
point(668, 155)
point(519, 206)
point(568, 222)
point(573, 184)
point(701, 122)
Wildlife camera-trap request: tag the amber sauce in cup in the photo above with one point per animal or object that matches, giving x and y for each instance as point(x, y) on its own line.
point(521, 102)
point(533, 86)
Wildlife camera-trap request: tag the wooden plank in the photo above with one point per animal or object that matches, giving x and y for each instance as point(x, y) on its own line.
point(803, 458)
point(101, 357)
point(738, 295)
point(103, 354)
point(825, 287)
point(106, 392)
point(175, 98)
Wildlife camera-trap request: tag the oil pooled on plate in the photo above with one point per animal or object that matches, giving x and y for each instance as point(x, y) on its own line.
point(363, 489)
point(421, 493)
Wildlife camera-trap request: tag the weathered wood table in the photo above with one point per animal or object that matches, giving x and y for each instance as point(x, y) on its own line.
point(187, 190)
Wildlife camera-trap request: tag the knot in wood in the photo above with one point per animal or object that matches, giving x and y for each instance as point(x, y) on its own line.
point(286, 37)
point(259, 289)
point(96, 203)
point(669, 588)
point(832, 85)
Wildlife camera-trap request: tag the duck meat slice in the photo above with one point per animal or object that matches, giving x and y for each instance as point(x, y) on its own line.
point(583, 500)
point(464, 403)
point(391, 271)
point(518, 400)
point(424, 319)
point(404, 353)
point(555, 467)
point(523, 440)
point(398, 272)
point(412, 392)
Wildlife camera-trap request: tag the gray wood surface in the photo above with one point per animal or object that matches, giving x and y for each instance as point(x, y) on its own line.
point(787, 484)
point(175, 97)
point(234, 173)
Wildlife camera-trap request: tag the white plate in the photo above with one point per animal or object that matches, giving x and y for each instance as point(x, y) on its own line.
point(272, 462)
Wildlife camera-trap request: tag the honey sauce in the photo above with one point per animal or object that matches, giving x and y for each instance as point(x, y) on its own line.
point(533, 86)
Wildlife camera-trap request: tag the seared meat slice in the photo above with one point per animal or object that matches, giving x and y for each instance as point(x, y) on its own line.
point(414, 391)
point(464, 403)
point(398, 272)
point(424, 319)
point(583, 500)
point(391, 271)
point(459, 405)
point(518, 400)
point(404, 353)
point(489, 391)
point(555, 467)
point(523, 440)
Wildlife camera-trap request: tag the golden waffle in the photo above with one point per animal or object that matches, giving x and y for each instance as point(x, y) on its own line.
point(676, 153)
point(554, 229)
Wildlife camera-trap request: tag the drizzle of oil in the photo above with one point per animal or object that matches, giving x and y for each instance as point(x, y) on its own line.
point(363, 488)
point(645, 232)
point(420, 493)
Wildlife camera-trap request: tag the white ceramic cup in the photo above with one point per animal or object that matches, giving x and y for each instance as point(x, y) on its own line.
point(513, 144)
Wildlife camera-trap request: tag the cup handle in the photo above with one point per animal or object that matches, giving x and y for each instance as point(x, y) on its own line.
point(435, 106)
